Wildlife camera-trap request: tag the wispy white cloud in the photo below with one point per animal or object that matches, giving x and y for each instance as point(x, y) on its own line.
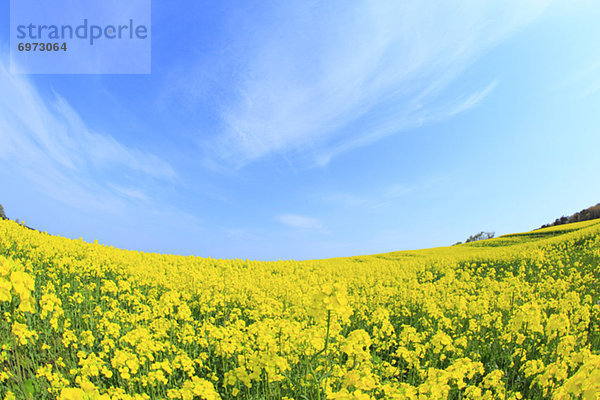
point(588, 78)
point(378, 198)
point(46, 141)
point(132, 193)
point(348, 199)
point(465, 103)
point(319, 79)
point(583, 83)
point(300, 221)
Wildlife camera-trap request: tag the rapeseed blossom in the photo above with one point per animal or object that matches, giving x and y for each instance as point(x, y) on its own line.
point(517, 317)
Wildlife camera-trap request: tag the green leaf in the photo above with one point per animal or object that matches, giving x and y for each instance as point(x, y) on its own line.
point(29, 388)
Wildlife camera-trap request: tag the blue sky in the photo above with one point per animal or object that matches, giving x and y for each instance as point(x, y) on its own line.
point(314, 129)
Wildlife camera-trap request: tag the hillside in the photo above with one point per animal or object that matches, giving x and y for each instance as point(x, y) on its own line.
point(512, 317)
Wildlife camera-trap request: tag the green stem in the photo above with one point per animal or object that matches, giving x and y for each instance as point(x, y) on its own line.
point(326, 337)
point(324, 349)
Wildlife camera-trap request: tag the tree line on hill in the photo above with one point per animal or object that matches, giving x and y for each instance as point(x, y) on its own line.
point(3, 216)
point(592, 212)
point(478, 236)
point(589, 213)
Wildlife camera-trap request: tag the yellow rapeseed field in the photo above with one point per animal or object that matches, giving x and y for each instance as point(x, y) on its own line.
point(517, 317)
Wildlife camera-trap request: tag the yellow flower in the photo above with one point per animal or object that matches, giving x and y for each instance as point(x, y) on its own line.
point(22, 333)
point(22, 283)
point(72, 394)
point(357, 345)
point(5, 288)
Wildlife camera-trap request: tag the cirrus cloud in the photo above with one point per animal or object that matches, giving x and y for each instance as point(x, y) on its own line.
point(317, 79)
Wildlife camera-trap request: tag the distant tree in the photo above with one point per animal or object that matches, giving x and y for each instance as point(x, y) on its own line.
point(2, 214)
point(480, 236)
point(457, 243)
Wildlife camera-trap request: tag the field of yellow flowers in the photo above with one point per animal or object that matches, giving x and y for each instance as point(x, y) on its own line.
point(517, 317)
